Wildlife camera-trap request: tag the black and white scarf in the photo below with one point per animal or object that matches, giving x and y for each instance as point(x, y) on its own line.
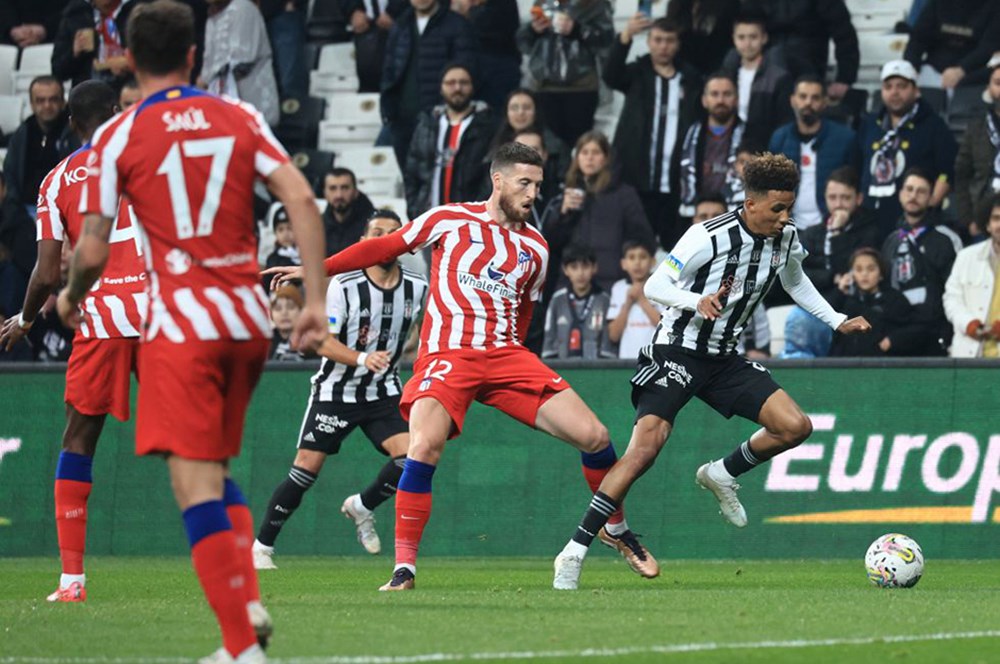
point(886, 166)
point(991, 127)
point(689, 167)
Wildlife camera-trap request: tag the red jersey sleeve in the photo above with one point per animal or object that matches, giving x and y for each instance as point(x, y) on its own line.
point(270, 155)
point(49, 224)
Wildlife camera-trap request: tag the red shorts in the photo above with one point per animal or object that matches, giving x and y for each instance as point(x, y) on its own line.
point(511, 379)
point(99, 375)
point(194, 396)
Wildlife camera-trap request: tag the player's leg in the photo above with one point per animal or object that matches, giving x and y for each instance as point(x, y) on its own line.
point(431, 425)
point(284, 501)
point(72, 491)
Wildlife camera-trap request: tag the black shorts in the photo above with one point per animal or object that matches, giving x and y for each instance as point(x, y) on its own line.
point(666, 378)
point(328, 423)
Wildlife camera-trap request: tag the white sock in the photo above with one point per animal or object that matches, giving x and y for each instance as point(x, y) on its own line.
point(66, 580)
point(412, 568)
point(718, 471)
point(358, 506)
point(617, 529)
point(574, 548)
point(257, 546)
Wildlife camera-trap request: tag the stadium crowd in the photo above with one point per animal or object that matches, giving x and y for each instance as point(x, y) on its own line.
point(644, 122)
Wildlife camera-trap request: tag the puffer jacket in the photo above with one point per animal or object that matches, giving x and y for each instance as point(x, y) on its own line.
point(570, 61)
point(974, 171)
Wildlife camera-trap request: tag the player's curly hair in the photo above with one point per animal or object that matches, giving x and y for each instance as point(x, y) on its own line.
point(770, 172)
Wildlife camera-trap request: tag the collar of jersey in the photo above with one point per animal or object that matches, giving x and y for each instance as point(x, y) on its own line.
point(739, 217)
point(170, 94)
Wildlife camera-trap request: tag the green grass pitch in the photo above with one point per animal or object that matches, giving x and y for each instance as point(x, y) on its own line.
point(327, 611)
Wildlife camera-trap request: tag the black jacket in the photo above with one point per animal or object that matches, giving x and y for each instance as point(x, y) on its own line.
point(18, 12)
point(569, 61)
point(495, 24)
point(78, 15)
point(820, 266)
point(470, 169)
point(341, 235)
point(890, 314)
point(447, 38)
point(770, 97)
point(951, 33)
point(803, 30)
point(635, 124)
point(704, 46)
point(974, 171)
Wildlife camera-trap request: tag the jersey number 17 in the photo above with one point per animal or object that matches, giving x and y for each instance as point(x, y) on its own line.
point(221, 151)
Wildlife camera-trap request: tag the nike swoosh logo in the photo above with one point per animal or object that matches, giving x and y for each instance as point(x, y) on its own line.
point(557, 380)
point(410, 518)
point(471, 241)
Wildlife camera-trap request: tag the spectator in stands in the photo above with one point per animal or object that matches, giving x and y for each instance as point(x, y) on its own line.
point(425, 37)
point(972, 294)
point(818, 146)
point(347, 210)
point(706, 30)
point(286, 307)
point(894, 328)
point(550, 184)
point(13, 281)
point(920, 256)
point(371, 21)
point(977, 167)
point(286, 29)
point(91, 41)
point(286, 252)
point(238, 56)
point(632, 318)
point(596, 210)
point(129, 95)
point(495, 23)
point(562, 42)
point(801, 32)
point(447, 156)
point(708, 155)
point(661, 102)
point(905, 134)
point(709, 206)
point(39, 143)
point(846, 228)
point(25, 23)
point(575, 322)
point(952, 38)
point(763, 86)
point(522, 112)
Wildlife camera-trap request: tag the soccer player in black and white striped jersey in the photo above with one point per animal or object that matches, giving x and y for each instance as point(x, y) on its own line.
point(371, 314)
point(714, 278)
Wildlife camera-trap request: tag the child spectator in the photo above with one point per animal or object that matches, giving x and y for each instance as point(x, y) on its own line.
point(286, 305)
point(286, 252)
point(631, 317)
point(889, 312)
point(574, 323)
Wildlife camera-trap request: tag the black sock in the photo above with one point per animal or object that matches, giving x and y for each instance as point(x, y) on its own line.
point(286, 498)
point(601, 508)
point(741, 460)
point(384, 486)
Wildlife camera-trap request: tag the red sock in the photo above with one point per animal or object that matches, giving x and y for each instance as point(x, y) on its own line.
point(220, 571)
point(594, 477)
point(412, 512)
point(71, 523)
point(242, 522)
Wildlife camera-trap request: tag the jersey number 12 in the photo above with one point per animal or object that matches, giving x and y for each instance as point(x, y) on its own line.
point(221, 151)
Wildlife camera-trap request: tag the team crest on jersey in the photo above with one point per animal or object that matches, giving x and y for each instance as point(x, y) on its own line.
point(193, 119)
point(178, 261)
point(408, 309)
point(775, 259)
point(523, 257)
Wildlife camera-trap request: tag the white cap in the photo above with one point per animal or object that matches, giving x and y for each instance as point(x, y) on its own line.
point(900, 68)
point(994, 61)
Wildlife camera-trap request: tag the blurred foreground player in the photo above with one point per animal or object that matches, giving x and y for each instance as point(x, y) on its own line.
point(488, 268)
point(370, 313)
point(188, 161)
point(106, 346)
point(716, 275)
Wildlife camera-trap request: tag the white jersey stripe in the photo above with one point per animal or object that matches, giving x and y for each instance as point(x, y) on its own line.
point(109, 168)
point(251, 304)
point(57, 225)
point(227, 310)
point(90, 307)
point(119, 317)
point(198, 315)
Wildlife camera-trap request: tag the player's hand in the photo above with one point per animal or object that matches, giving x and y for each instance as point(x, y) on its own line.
point(282, 275)
point(11, 332)
point(69, 312)
point(710, 306)
point(856, 325)
point(378, 361)
point(310, 330)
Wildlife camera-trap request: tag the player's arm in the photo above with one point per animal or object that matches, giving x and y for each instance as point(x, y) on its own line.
point(43, 282)
point(691, 252)
point(86, 266)
point(332, 349)
point(801, 289)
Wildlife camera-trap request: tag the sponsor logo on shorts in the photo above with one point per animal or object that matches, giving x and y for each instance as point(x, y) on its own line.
point(328, 423)
point(676, 372)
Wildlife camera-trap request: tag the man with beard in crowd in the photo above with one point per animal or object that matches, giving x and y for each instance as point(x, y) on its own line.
point(347, 209)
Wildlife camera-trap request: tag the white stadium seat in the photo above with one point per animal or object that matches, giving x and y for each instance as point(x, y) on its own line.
point(10, 113)
point(35, 61)
point(368, 162)
point(337, 59)
point(8, 68)
point(329, 84)
point(397, 205)
point(355, 122)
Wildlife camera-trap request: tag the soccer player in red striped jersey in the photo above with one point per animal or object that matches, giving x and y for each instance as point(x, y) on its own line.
point(106, 345)
point(188, 161)
point(488, 269)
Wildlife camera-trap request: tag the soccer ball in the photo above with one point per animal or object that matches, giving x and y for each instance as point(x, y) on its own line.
point(894, 561)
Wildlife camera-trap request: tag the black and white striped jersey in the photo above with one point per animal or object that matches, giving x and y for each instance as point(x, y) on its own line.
point(367, 318)
point(724, 251)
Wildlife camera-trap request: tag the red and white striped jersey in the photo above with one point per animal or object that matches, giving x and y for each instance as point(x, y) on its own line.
point(116, 305)
point(188, 161)
point(479, 273)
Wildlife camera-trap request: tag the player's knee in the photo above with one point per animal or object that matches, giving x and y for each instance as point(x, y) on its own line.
point(797, 429)
point(596, 437)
